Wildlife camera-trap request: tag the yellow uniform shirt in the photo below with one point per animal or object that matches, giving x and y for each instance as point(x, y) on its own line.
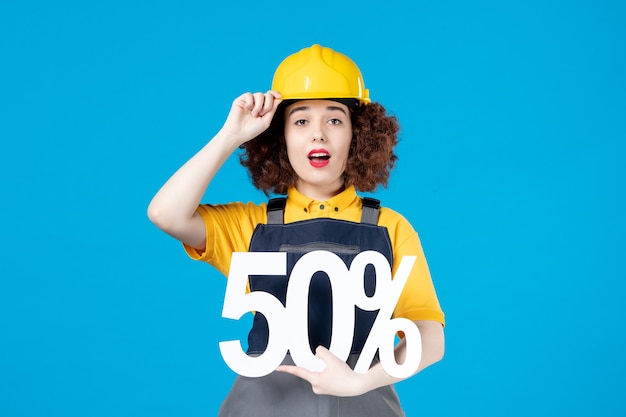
point(229, 228)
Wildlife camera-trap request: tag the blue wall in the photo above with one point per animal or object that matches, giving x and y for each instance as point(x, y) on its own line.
point(511, 169)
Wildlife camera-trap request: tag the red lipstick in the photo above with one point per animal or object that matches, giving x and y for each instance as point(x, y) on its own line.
point(319, 158)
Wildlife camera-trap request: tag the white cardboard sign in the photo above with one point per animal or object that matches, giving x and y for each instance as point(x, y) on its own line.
point(288, 324)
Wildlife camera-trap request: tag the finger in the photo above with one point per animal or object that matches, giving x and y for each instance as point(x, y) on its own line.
point(268, 104)
point(278, 98)
point(245, 101)
point(324, 354)
point(259, 98)
point(296, 371)
point(275, 94)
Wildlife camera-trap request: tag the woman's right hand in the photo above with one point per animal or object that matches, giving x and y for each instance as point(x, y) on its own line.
point(250, 115)
point(174, 208)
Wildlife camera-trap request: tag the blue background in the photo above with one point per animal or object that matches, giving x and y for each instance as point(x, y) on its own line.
point(511, 169)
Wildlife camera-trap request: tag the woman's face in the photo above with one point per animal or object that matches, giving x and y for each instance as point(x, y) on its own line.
point(318, 135)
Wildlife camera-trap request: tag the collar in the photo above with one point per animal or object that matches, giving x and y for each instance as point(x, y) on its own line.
point(333, 207)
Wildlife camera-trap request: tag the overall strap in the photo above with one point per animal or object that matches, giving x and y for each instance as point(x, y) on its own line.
point(371, 208)
point(276, 210)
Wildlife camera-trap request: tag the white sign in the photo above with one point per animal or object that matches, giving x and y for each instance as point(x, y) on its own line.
point(288, 325)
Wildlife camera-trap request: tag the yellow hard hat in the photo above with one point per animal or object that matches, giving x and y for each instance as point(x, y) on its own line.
point(319, 73)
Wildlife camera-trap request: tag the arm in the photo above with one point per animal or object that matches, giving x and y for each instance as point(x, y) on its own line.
point(173, 208)
point(339, 380)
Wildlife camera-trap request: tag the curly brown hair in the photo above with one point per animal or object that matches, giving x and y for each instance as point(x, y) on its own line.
point(370, 160)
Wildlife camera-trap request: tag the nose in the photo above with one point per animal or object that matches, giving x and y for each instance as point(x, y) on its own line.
point(318, 133)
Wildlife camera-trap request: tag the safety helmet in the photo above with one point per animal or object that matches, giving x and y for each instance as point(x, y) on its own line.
point(319, 73)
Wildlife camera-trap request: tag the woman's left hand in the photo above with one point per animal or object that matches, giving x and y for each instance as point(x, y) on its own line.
point(336, 379)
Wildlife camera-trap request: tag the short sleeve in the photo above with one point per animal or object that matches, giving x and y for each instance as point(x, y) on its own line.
point(229, 228)
point(418, 300)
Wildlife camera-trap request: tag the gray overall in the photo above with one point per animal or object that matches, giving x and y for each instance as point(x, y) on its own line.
point(282, 395)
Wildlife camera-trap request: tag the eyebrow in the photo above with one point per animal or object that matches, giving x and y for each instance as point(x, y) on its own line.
point(301, 108)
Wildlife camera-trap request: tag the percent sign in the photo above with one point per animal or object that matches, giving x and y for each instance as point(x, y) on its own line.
point(286, 328)
point(382, 335)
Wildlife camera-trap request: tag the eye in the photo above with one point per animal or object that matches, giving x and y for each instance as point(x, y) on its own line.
point(300, 122)
point(335, 121)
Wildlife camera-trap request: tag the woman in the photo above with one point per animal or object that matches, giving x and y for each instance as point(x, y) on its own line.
point(316, 137)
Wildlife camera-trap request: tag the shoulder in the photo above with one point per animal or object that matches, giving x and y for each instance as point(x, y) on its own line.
point(400, 230)
point(392, 219)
